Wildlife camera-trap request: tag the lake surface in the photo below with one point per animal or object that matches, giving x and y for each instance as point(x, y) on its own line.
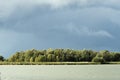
point(60, 72)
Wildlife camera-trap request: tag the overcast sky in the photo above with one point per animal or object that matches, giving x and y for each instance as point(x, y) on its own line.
point(43, 24)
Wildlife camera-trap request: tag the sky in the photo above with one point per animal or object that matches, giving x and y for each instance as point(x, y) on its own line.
point(74, 24)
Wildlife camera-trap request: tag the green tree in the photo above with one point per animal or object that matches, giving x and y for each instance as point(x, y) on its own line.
point(98, 59)
point(31, 59)
point(87, 55)
point(40, 59)
point(1, 58)
point(106, 55)
point(117, 57)
point(51, 58)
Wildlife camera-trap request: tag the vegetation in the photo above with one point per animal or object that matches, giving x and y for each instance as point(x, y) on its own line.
point(98, 59)
point(63, 56)
point(50, 63)
point(1, 58)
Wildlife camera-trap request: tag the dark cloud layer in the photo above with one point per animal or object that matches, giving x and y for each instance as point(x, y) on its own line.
point(77, 24)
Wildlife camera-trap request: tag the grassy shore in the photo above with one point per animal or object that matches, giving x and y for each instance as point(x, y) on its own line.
point(56, 63)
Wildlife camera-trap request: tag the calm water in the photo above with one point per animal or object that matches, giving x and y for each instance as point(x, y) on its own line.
point(60, 72)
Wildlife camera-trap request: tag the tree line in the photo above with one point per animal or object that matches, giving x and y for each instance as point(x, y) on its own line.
point(63, 55)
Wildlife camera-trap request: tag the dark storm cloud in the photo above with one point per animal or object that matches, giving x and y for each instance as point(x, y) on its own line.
point(77, 24)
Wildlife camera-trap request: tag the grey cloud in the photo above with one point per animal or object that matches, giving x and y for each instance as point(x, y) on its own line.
point(89, 32)
point(77, 24)
point(8, 7)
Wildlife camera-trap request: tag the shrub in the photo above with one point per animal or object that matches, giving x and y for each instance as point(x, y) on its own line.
point(98, 59)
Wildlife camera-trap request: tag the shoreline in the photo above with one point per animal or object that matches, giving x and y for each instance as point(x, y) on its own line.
point(58, 63)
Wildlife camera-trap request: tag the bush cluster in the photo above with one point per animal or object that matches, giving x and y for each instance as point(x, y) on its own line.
point(64, 55)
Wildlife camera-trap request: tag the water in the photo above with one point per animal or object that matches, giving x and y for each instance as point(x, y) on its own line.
point(60, 72)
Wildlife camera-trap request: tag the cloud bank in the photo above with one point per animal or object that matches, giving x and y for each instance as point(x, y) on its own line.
point(42, 24)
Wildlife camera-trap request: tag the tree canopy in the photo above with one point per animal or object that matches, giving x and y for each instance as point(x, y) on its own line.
point(64, 55)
